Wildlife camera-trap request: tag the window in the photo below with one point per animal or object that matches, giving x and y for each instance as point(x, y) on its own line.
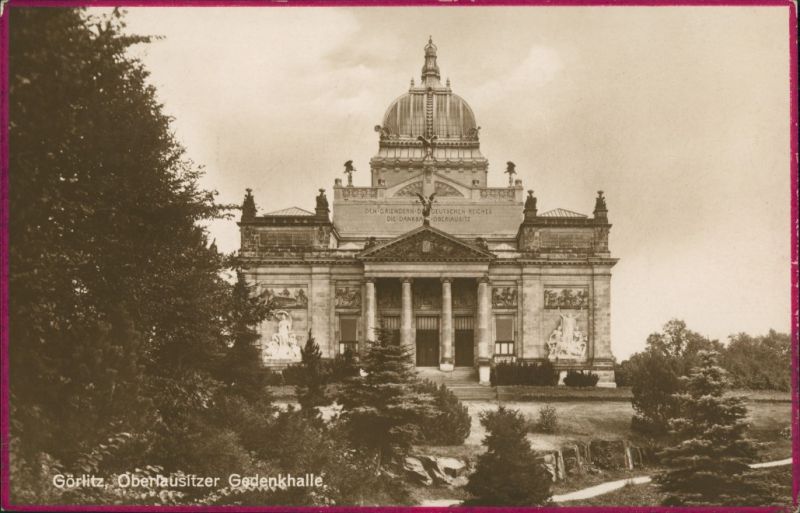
point(504, 340)
point(348, 334)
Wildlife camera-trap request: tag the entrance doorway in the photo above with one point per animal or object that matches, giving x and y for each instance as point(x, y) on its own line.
point(464, 341)
point(427, 341)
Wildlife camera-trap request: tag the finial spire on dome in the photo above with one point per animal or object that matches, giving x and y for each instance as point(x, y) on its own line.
point(430, 71)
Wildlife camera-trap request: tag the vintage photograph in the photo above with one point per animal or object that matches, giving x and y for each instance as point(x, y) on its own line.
point(476, 255)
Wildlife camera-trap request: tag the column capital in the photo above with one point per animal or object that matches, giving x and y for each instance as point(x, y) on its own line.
point(445, 279)
point(406, 280)
point(369, 279)
point(484, 279)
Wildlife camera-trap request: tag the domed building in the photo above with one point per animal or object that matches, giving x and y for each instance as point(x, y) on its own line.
point(464, 274)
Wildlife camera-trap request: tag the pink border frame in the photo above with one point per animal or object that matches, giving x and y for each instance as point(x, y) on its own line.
point(4, 216)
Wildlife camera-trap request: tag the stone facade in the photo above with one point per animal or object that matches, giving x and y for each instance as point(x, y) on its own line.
point(464, 274)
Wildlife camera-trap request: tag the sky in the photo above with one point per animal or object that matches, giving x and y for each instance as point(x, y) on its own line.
point(680, 114)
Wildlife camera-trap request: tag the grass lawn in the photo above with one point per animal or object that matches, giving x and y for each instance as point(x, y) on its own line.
point(630, 495)
point(593, 419)
point(649, 494)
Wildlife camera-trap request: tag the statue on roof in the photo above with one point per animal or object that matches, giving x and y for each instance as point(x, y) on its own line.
point(384, 134)
point(322, 201)
point(530, 204)
point(511, 170)
point(348, 170)
point(248, 206)
point(427, 145)
point(426, 207)
point(600, 208)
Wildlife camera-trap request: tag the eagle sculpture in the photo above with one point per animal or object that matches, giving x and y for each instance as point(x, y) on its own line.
point(427, 203)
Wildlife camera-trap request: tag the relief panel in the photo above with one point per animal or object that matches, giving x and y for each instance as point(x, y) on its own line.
point(566, 298)
point(286, 297)
point(504, 297)
point(348, 296)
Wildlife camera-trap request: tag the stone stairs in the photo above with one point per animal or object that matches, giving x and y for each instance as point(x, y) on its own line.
point(462, 381)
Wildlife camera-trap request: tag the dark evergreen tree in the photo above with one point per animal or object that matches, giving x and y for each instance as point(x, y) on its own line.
point(508, 473)
point(119, 319)
point(241, 368)
point(312, 389)
point(381, 410)
point(707, 463)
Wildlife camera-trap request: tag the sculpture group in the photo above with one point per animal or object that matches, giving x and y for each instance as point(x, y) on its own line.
point(567, 340)
point(283, 345)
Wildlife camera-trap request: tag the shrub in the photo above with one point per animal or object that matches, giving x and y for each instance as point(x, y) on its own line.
point(273, 379)
point(508, 473)
point(450, 423)
point(548, 419)
point(622, 373)
point(343, 366)
point(336, 370)
point(522, 373)
point(292, 375)
point(580, 379)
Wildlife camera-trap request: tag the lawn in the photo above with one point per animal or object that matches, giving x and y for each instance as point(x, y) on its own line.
point(593, 419)
point(649, 494)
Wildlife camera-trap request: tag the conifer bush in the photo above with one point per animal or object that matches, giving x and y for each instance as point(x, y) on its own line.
point(449, 422)
point(381, 411)
point(508, 473)
point(707, 463)
point(548, 419)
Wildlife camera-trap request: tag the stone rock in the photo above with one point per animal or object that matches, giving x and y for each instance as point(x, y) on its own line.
point(415, 469)
point(548, 460)
point(452, 467)
point(459, 482)
point(431, 465)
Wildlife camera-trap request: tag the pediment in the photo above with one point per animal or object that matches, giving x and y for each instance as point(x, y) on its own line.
point(426, 244)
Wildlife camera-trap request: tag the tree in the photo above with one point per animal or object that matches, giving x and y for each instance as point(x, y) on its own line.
point(450, 422)
point(381, 411)
point(312, 389)
point(759, 363)
point(508, 473)
point(683, 345)
point(119, 322)
point(241, 368)
point(655, 379)
point(708, 460)
point(654, 374)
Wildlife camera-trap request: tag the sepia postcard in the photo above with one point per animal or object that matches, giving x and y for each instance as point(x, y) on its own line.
point(408, 254)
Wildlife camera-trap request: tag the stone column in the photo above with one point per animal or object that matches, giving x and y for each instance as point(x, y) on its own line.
point(320, 310)
point(600, 344)
point(483, 331)
point(369, 304)
point(406, 316)
point(446, 361)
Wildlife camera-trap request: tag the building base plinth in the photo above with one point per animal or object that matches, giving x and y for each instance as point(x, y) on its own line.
point(484, 374)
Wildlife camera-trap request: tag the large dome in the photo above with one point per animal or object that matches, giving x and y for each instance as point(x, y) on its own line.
point(429, 129)
point(430, 109)
point(450, 116)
